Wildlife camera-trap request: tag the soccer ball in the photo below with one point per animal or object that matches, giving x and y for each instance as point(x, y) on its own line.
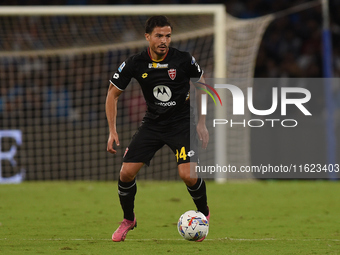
point(193, 225)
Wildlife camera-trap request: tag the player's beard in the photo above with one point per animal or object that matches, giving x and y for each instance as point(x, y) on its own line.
point(161, 50)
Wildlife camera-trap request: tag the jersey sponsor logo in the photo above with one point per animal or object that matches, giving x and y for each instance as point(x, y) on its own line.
point(157, 65)
point(172, 73)
point(171, 103)
point(115, 76)
point(162, 93)
point(193, 60)
point(121, 67)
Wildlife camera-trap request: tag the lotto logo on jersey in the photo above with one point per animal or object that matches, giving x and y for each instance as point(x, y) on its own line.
point(172, 73)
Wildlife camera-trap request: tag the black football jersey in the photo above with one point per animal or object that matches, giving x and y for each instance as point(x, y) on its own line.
point(165, 84)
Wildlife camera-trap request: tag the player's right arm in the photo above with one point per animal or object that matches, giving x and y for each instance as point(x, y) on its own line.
point(118, 83)
point(111, 115)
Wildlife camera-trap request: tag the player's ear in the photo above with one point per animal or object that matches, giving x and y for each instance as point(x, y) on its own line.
point(147, 36)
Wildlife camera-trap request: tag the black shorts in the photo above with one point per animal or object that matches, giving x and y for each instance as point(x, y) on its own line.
point(181, 137)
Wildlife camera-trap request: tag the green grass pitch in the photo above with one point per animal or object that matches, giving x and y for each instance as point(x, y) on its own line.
point(266, 217)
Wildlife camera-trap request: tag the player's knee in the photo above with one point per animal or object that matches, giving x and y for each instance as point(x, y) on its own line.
point(190, 181)
point(187, 178)
point(129, 171)
point(187, 173)
point(125, 177)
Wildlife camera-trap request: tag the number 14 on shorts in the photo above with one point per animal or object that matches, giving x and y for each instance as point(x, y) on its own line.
point(181, 154)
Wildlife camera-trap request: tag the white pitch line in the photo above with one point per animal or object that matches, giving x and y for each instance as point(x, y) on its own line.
point(168, 239)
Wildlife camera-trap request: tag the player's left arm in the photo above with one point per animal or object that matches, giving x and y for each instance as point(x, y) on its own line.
point(201, 128)
point(195, 71)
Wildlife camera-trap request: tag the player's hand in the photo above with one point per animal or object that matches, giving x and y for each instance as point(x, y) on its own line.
point(203, 134)
point(113, 138)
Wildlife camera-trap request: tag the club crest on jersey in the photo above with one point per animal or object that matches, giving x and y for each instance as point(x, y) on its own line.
point(172, 73)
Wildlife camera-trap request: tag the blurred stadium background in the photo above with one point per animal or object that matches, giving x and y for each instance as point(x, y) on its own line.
point(54, 73)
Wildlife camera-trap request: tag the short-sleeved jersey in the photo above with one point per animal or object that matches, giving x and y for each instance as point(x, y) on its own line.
point(165, 84)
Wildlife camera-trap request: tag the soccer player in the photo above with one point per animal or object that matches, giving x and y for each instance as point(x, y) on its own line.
point(164, 75)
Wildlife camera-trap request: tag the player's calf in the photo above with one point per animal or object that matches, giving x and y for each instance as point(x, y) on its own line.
point(199, 195)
